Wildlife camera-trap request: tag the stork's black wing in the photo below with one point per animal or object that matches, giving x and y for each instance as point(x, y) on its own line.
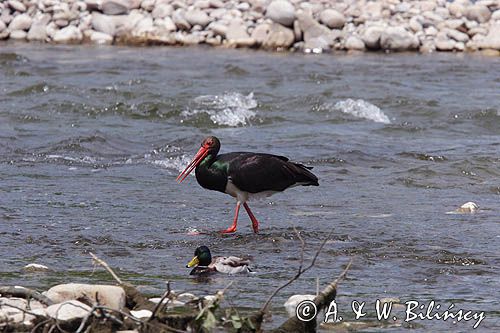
point(258, 172)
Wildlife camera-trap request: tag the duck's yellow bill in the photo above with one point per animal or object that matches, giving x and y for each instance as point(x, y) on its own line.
point(194, 262)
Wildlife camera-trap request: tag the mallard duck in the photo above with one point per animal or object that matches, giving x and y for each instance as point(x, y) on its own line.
point(203, 263)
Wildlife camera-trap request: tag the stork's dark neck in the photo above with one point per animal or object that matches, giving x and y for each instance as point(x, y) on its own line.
point(211, 173)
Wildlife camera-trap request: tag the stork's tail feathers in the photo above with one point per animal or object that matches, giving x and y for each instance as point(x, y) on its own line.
point(303, 175)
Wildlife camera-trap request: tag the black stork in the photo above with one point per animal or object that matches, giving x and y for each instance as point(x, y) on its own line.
point(245, 175)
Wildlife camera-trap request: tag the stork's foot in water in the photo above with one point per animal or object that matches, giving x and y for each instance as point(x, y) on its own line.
point(232, 228)
point(255, 226)
point(229, 230)
point(255, 223)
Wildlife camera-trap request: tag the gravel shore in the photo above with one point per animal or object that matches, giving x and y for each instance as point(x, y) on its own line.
point(309, 26)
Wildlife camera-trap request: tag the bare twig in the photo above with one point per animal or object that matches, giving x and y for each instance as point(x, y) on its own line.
point(218, 296)
point(85, 319)
point(24, 311)
point(25, 293)
point(40, 324)
point(302, 247)
point(105, 265)
point(160, 304)
point(300, 271)
point(325, 295)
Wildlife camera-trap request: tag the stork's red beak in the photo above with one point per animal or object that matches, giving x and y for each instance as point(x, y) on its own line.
point(200, 155)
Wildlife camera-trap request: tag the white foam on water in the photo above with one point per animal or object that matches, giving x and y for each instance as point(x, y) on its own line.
point(177, 163)
point(229, 109)
point(362, 109)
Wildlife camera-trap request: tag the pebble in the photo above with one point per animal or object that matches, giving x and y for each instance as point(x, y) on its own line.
point(314, 26)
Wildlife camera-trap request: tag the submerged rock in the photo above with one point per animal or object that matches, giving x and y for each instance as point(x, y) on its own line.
point(468, 207)
point(35, 268)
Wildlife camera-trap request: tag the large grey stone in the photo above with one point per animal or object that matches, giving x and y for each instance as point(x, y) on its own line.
point(109, 296)
point(166, 24)
point(143, 27)
point(237, 34)
point(68, 310)
point(18, 34)
point(354, 43)
point(70, 34)
point(118, 7)
point(124, 24)
point(315, 35)
point(479, 13)
point(180, 20)
point(16, 5)
point(38, 30)
point(162, 10)
point(457, 35)
point(457, 10)
point(279, 37)
point(260, 32)
point(10, 309)
point(21, 22)
point(2, 26)
point(281, 11)
point(101, 38)
point(332, 18)
point(103, 23)
point(443, 43)
point(197, 17)
point(218, 28)
point(398, 39)
point(371, 37)
point(492, 39)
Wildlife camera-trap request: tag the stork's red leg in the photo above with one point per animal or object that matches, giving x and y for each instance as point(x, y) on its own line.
point(255, 223)
point(232, 228)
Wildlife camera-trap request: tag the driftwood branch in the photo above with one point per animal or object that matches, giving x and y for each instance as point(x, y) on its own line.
point(160, 305)
point(25, 293)
point(105, 265)
point(300, 270)
point(329, 292)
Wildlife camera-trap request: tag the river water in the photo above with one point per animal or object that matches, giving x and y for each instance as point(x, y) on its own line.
point(92, 139)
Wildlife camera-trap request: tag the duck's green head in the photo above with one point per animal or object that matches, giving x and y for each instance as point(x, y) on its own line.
point(202, 257)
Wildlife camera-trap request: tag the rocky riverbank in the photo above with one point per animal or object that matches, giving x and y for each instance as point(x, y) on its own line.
point(312, 26)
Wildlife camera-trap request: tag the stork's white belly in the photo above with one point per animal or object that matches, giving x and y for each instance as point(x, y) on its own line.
point(244, 196)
